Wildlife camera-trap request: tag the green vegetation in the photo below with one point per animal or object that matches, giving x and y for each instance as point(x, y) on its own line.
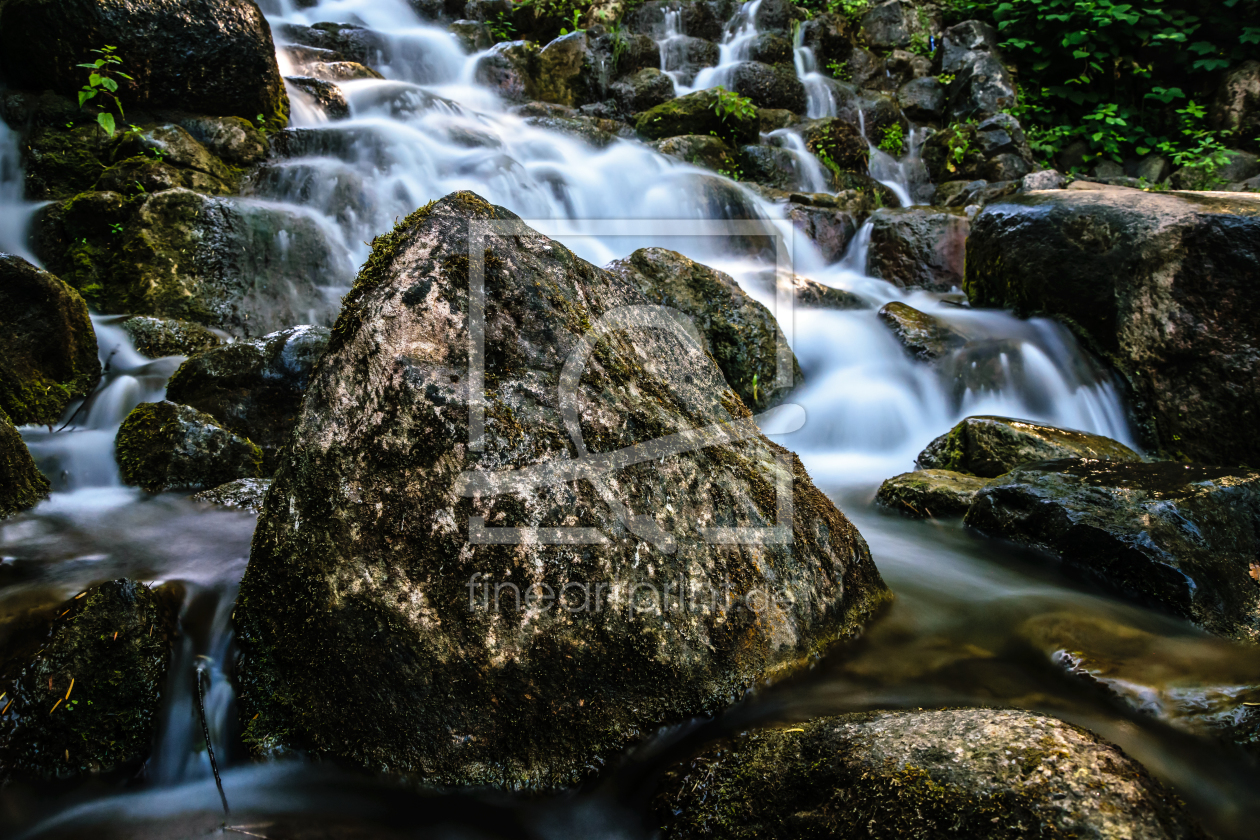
point(731, 104)
point(851, 9)
point(103, 75)
point(894, 140)
point(1121, 77)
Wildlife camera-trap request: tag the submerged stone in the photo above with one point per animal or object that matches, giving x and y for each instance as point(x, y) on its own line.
point(164, 446)
point(253, 388)
point(451, 578)
point(22, 485)
point(975, 773)
point(930, 493)
point(990, 446)
point(84, 695)
point(738, 332)
point(925, 336)
point(47, 344)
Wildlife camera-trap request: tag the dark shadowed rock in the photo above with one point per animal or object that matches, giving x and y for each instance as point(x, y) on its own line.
point(361, 562)
point(930, 493)
point(203, 56)
point(922, 99)
point(47, 344)
point(164, 446)
point(896, 23)
point(687, 56)
point(1236, 106)
point(769, 85)
point(814, 295)
point(769, 165)
point(245, 493)
point(322, 94)
point(1176, 537)
point(22, 485)
point(771, 48)
point(982, 87)
point(830, 37)
point(991, 446)
point(83, 695)
point(253, 388)
point(645, 89)
point(473, 36)
point(739, 333)
point(700, 149)
point(925, 336)
point(837, 143)
point(994, 149)
point(917, 248)
point(1158, 284)
point(775, 15)
point(976, 773)
point(158, 337)
point(830, 228)
point(339, 42)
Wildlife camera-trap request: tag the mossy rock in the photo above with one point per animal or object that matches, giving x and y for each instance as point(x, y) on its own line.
point(838, 144)
point(954, 154)
point(990, 446)
point(47, 344)
point(924, 336)
point(696, 113)
point(701, 150)
point(22, 485)
point(165, 446)
point(930, 493)
point(84, 702)
point(156, 338)
point(983, 774)
point(245, 494)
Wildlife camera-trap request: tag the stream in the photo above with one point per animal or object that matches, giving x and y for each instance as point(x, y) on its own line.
point(964, 627)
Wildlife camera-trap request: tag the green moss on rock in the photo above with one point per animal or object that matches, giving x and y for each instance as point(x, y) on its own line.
point(924, 336)
point(22, 485)
point(990, 446)
point(930, 493)
point(164, 446)
point(159, 337)
point(696, 113)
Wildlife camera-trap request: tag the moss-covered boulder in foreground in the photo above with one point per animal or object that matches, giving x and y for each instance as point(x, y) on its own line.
point(22, 485)
point(391, 509)
point(47, 344)
point(164, 446)
point(696, 113)
point(738, 332)
point(990, 446)
point(930, 493)
point(253, 388)
point(1183, 539)
point(982, 774)
point(82, 697)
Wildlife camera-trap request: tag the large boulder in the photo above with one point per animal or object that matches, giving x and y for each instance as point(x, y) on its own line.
point(976, 773)
point(1236, 106)
point(918, 248)
point(738, 332)
point(565, 71)
point(990, 446)
point(22, 485)
point(414, 485)
point(696, 113)
point(896, 24)
point(1176, 537)
point(982, 87)
point(253, 388)
point(839, 144)
point(930, 493)
point(205, 56)
point(83, 698)
point(830, 38)
point(645, 89)
point(164, 446)
point(769, 85)
point(47, 344)
point(1158, 284)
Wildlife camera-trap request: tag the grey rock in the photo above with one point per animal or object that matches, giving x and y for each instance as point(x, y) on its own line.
point(990, 446)
point(769, 86)
point(1045, 179)
point(924, 336)
point(699, 149)
point(770, 165)
point(1153, 169)
point(830, 228)
point(1236, 106)
point(918, 248)
point(159, 337)
point(473, 35)
point(923, 100)
point(246, 494)
point(645, 89)
point(323, 94)
point(814, 295)
point(981, 87)
point(892, 24)
point(688, 56)
point(930, 493)
point(164, 446)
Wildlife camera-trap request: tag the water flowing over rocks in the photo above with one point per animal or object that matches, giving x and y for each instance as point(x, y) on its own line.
point(1160, 285)
point(47, 344)
point(22, 485)
point(983, 773)
point(378, 533)
point(926, 337)
point(930, 493)
point(253, 388)
point(85, 687)
point(1175, 537)
point(177, 52)
point(165, 446)
point(738, 332)
point(991, 446)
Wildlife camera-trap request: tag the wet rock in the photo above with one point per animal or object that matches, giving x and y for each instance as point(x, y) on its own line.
point(1172, 536)
point(990, 446)
point(838, 144)
point(738, 332)
point(770, 48)
point(1157, 284)
point(367, 520)
point(245, 493)
point(598, 132)
point(902, 67)
point(567, 72)
point(340, 42)
point(981, 87)
point(179, 254)
point(687, 56)
point(769, 85)
point(1236, 106)
point(994, 150)
point(956, 772)
point(253, 388)
point(158, 337)
point(340, 71)
point(777, 16)
point(830, 228)
point(769, 165)
point(814, 295)
point(22, 485)
point(930, 493)
point(972, 196)
point(203, 56)
point(1239, 167)
point(897, 23)
point(473, 36)
point(87, 703)
point(773, 119)
point(830, 37)
point(701, 150)
point(324, 95)
point(922, 100)
point(508, 69)
point(915, 248)
point(629, 53)
point(695, 114)
point(1046, 179)
point(925, 336)
point(164, 446)
point(47, 344)
point(234, 140)
point(644, 90)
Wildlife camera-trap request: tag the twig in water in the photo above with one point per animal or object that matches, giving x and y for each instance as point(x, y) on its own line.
point(205, 731)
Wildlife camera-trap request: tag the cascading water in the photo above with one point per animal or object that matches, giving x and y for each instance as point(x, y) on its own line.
point(428, 129)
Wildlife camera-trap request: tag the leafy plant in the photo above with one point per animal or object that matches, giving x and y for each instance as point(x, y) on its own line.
point(851, 9)
point(840, 71)
point(957, 146)
point(102, 80)
point(501, 27)
point(576, 15)
point(894, 140)
point(729, 103)
point(617, 37)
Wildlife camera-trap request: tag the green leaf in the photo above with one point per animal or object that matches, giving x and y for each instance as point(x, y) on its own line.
point(107, 122)
point(124, 76)
point(94, 79)
point(85, 95)
point(109, 84)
